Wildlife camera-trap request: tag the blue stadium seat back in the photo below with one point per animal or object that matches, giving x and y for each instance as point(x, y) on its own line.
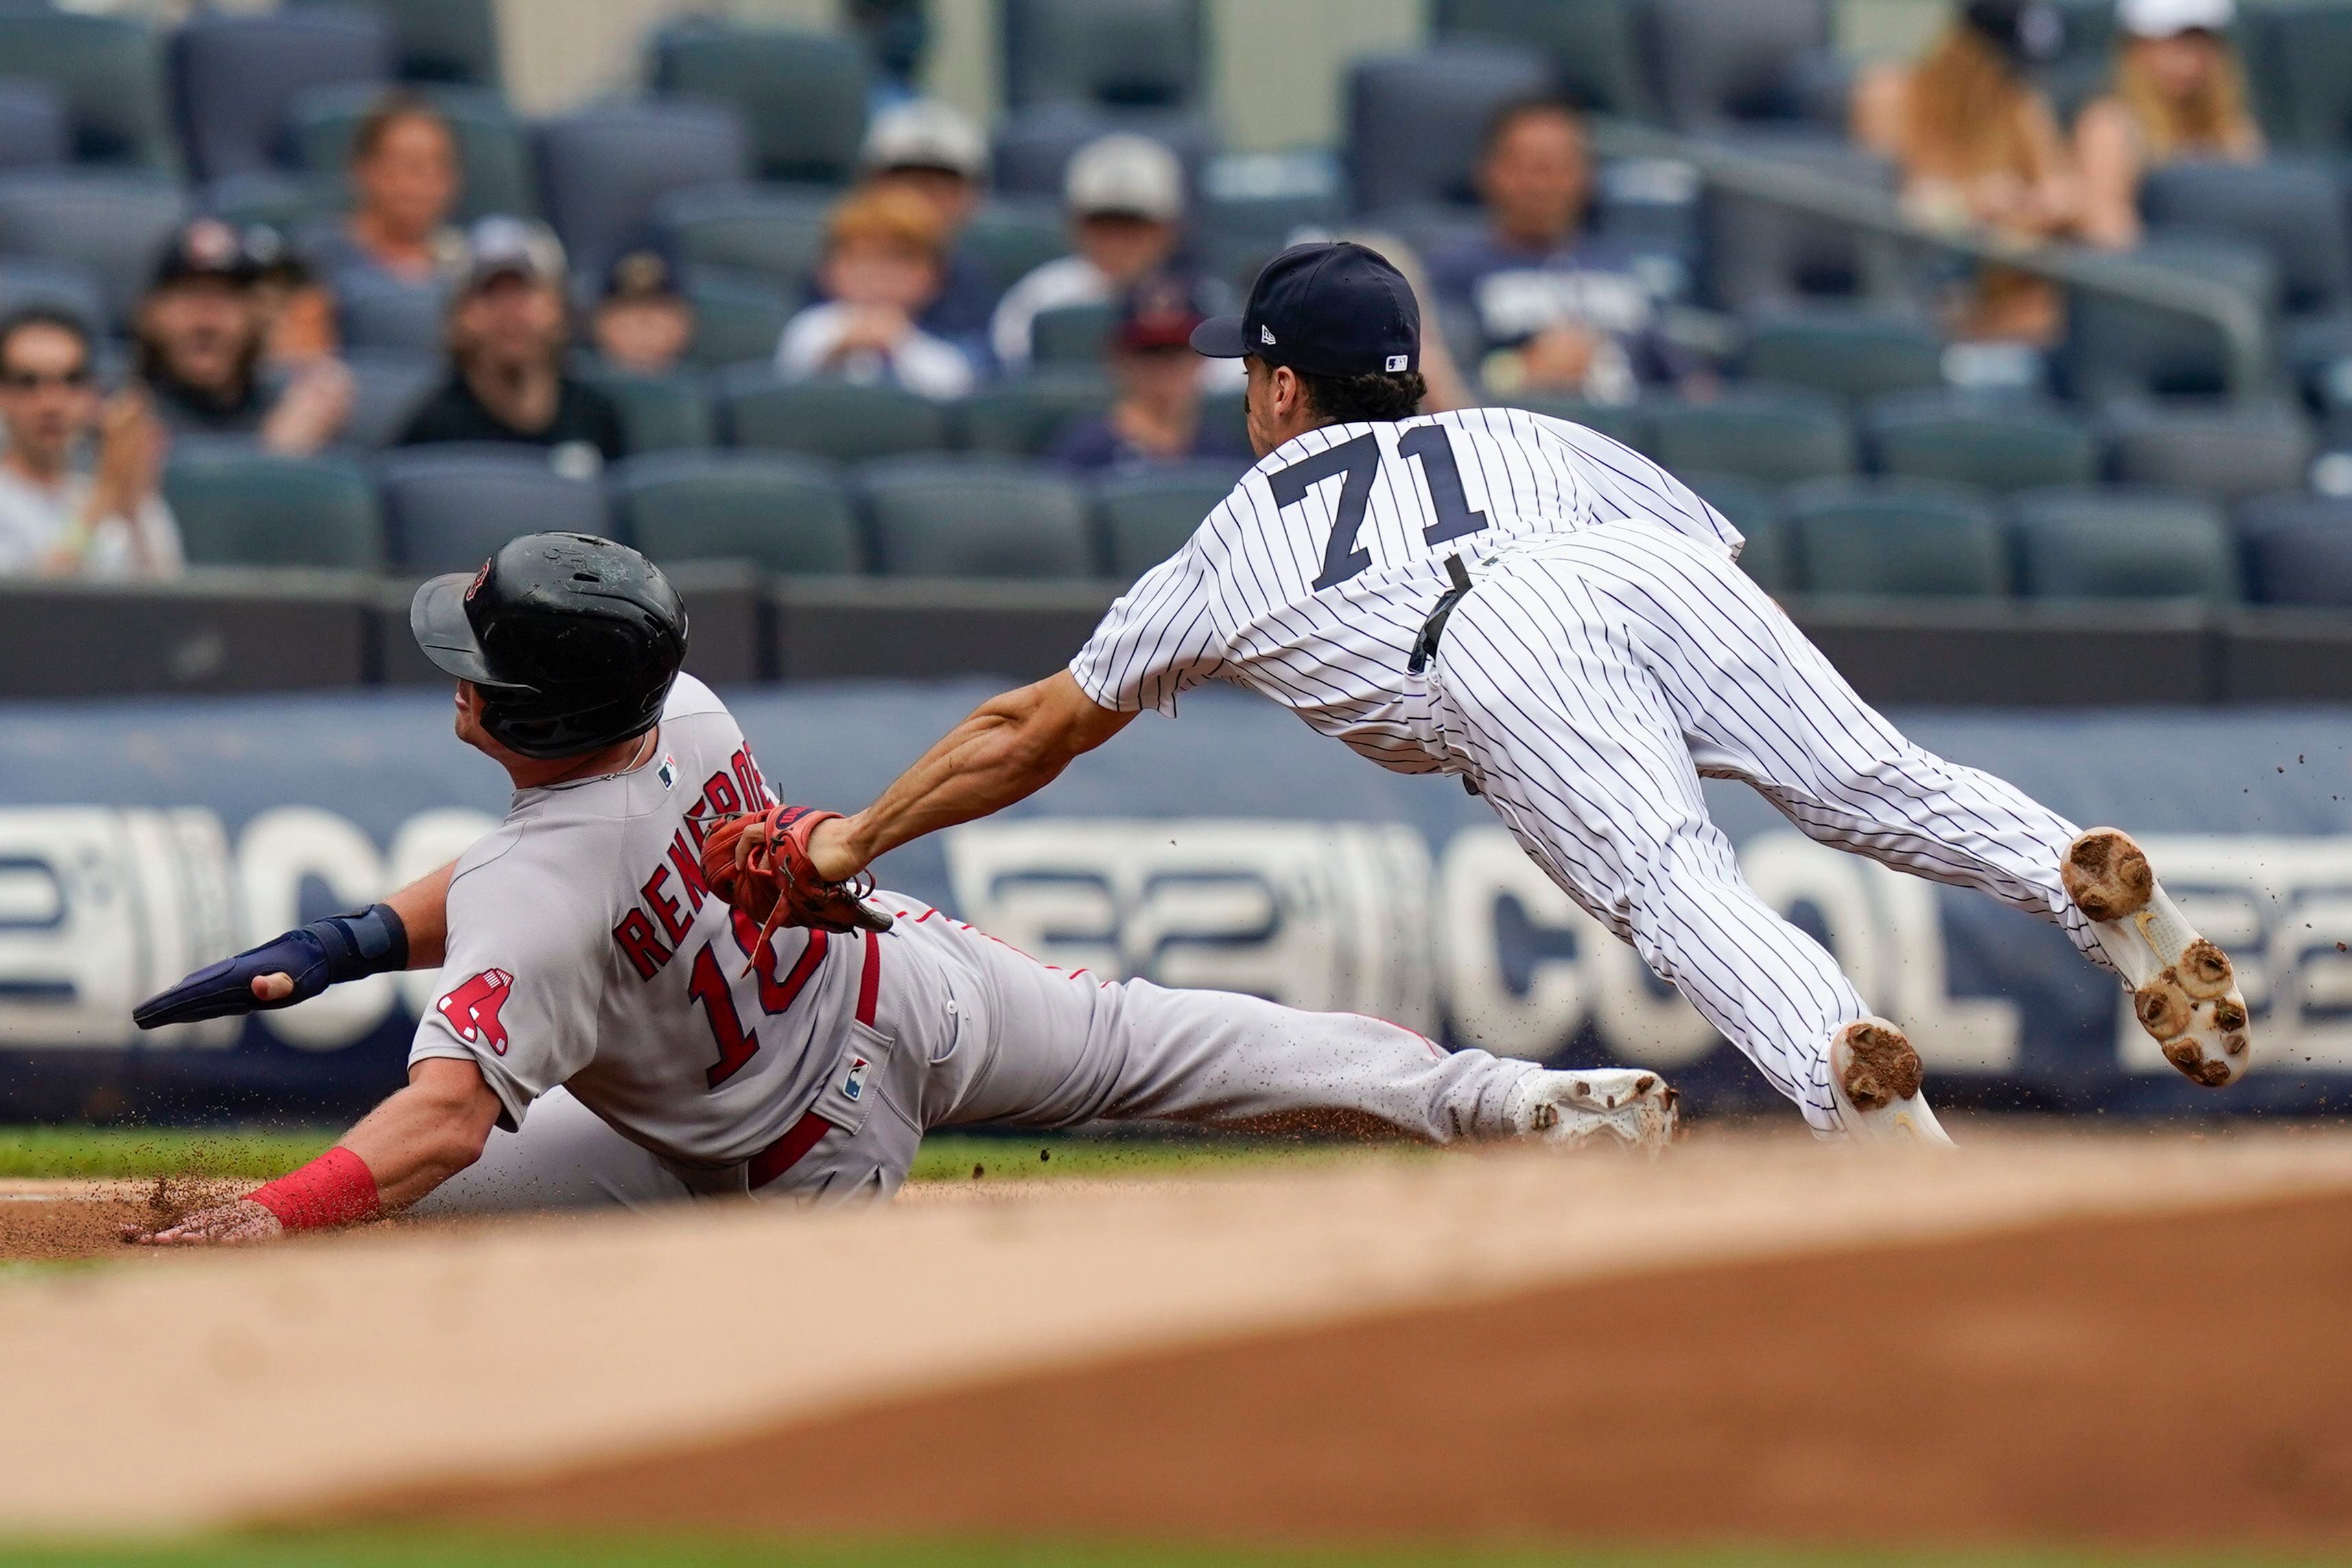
point(56, 286)
point(108, 73)
point(1414, 121)
point(2117, 349)
point(1073, 335)
point(800, 93)
point(1033, 149)
point(1760, 259)
point(1594, 46)
point(252, 508)
point(2083, 64)
point(1781, 435)
point(113, 223)
point(383, 313)
point(831, 419)
point(2301, 89)
point(491, 145)
point(1754, 509)
point(736, 320)
point(1020, 418)
point(1147, 514)
point(439, 40)
point(2294, 208)
point(34, 131)
point(1012, 237)
point(388, 386)
point(234, 78)
point(603, 169)
point(2226, 452)
point(658, 413)
point(1131, 54)
point(450, 507)
point(1721, 62)
point(2114, 542)
point(292, 204)
point(783, 513)
point(1999, 444)
point(1853, 355)
point(2298, 550)
point(1626, 423)
point(1245, 217)
point(1896, 537)
point(977, 515)
point(771, 236)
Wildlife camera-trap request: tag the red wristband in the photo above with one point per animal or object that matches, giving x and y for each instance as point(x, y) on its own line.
point(336, 1188)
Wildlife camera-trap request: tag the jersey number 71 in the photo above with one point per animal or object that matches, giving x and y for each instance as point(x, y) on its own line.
point(1359, 460)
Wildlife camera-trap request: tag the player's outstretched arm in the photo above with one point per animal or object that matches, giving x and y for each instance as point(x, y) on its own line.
point(1011, 746)
point(417, 1139)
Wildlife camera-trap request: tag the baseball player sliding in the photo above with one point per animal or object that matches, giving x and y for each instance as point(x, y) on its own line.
point(1555, 619)
point(623, 1020)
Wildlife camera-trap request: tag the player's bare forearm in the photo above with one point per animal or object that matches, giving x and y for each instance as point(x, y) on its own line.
point(423, 908)
point(427, 1133)
point(1011, 746)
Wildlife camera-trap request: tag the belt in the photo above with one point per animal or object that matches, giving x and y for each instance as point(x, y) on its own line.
point(804, 1134)
point(1424, 647)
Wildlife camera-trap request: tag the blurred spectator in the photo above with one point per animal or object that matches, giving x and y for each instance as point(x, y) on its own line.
point(404, 177)
point(2179, 92)
point(297, 312)
point(884, 260)
point(643, 324)
point(931, 151)
point(1157, 418)
point(508, 332)
point(1978, 144)
point(201, 340)
point(1556, 308)
point(111, 522)
point(1125, 194)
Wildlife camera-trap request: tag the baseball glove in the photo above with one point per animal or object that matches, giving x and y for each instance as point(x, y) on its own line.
point(759, 862)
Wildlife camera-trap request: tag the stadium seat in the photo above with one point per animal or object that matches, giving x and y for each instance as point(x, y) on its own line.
point(1252, 203)
point(61, 285)
point(2117, 349)
point(290, 203)
point(1778, 436)
point(2305, 92)
point(450, 507)
point(1149, 514)
point(1623, 421)
point(491, 146)
point(1761, 258)
point(2118, 543)
point(1034, 147)
point(248, 508)
point(235, 76)
point(1723, 61)
point(846, 422)
point(109, 72)
point(379, 313)
point(1995, 443)
point(1414, 121)
point(659, 413)
point(1901, 536)
point(1594, 46)
point(1073, 335)
point(772, 238)
point(2297, 549)
point(784, 514)
point(1131, 54)
point(735, 323)
point(2293, 208)
point(33, 133)
point(800, 94)
point(601, 169)
point(1755, 511)
point(388, 386)
point(968, 516)
point(439, 40)
point(1008, 238)
point(113, 224)
point(1020, 418)
point(2226, 452)
point(1851, 353)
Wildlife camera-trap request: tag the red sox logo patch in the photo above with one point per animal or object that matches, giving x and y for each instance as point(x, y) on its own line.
point(472, 1008)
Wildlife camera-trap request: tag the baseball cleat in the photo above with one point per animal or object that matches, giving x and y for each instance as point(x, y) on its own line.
point(1575, 1107)
point(1876, 1077)
point(2184, 992)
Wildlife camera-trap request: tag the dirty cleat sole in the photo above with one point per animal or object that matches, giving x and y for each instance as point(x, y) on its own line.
point(1877, 1078)
point(1627, 1104)
point(2184, 991)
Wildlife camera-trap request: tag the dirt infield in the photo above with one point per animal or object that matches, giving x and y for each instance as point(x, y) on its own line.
point(48, 1222)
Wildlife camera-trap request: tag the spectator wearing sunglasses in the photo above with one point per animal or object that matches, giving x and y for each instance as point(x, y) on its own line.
point(54, 519)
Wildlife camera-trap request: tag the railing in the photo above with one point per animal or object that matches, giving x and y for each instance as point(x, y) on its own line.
point(2239, 322)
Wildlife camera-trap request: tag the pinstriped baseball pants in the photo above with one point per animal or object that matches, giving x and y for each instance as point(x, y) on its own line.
point(1587, 684)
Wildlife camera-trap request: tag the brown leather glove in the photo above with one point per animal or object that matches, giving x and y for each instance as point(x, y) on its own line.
point(759, 863)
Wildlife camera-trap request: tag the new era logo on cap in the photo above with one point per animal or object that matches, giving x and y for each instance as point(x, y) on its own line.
point(1264, 336)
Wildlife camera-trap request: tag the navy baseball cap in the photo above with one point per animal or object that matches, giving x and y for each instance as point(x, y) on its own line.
point(1334, 308)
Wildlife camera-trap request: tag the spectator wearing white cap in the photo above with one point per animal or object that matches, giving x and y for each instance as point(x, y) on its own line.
point(929, 149)
point(2179, 92)
point(1125, 194)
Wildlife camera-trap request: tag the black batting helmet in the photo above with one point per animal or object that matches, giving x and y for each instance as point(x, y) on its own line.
point(573, 641)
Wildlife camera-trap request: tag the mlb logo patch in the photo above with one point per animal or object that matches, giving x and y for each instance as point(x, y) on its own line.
point(1396, 361)
point(853, 1083)
point(667, 772)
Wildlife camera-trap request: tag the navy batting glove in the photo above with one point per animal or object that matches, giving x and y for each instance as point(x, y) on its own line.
point(340, 947)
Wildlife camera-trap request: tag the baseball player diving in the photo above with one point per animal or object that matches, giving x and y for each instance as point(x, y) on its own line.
point(1552, 618)
point(625, 1019)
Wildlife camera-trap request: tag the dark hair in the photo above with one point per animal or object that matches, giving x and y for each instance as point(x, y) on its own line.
point(64, 321)
point(1499, 123)
point(1343, 400)
point(389, 111)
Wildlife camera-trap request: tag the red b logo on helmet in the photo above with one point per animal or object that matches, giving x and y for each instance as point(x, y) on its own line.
point(481, 578)
point(472, 1008)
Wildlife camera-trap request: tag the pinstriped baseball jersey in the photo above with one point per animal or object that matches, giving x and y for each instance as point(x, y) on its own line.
point(1311, 581)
